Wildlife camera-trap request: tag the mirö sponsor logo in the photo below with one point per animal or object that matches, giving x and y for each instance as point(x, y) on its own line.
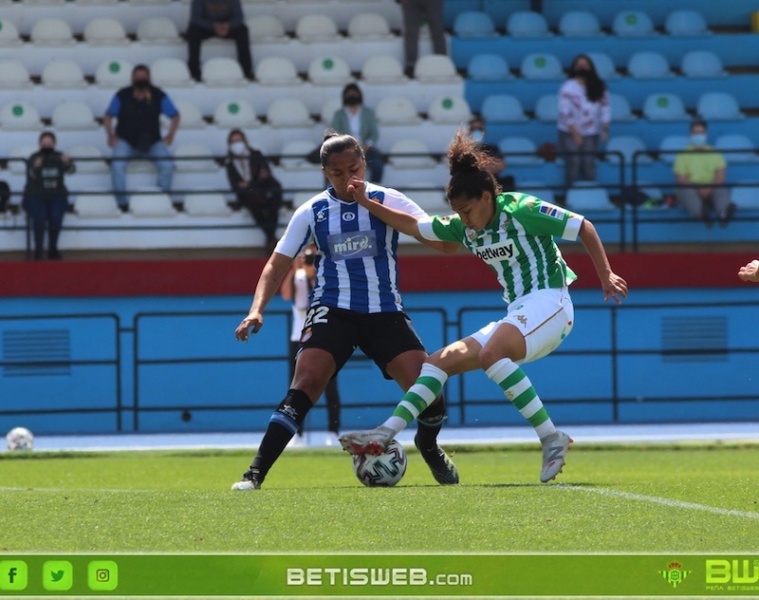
point(353, 245)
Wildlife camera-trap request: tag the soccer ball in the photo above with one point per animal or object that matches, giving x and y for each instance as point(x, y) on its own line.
point(19, 438)
point(383, 470)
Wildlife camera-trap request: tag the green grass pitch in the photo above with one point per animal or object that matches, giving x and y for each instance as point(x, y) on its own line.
point(686, 498)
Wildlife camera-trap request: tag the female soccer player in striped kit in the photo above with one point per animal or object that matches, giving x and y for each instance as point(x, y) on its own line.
point(355, 302)
point(513, 233)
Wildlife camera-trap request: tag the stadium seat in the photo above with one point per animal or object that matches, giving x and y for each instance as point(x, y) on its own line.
point(105, 31)
point(382, 68)
point(525, 151)
point(158, 30)
point(170, 72)
point(396, 110)
point(547, 108)
point(151, 204)
point(633, 23)
point(192, 117)
point(114, 73)
point(315, 28)
point(63, 73)
point(207, 204)
point(194, 157)
point(449, 109)
point(670, 145)
point(222, 71)
point(542, 66)
point(473, 24)
point(488, 67)
point(649, 65)
point(73, 115)
point(431, 202)
point(620, 109)
point(14, 75)
point(294, 153)
point(410, 153)
point(19, 115)
point(719, 106)
point(88, 159)
point(266, 29)
point(52, 31)
point(97, 205)
point(18, 167)
point(329, 109)
point(502, 108)
point(527, 24)
point(746, 195)
point(579, 24)
point(234, 114)
point(288, 112)
point(276, 71)
point(664, 107)
point(364, 27)
point(604, 65)
point(588, 195)
point(9, 34)
point(538, 189)
point(699, 64)
point(630, 146)
point(329, 70)
point(435, 68)
point(728, 142)
point(686, 22)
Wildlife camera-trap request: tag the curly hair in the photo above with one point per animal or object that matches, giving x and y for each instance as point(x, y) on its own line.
point(468, 164)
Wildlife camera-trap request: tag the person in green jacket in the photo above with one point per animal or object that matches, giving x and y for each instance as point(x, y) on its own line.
point(360, 121)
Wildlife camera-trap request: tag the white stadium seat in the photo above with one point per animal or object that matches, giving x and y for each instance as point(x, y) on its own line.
point(19, 115)
point(449, 109)
point(158, 30)
point(235, 114)
point(417, 154)
point(105, 31)
point(14, 75)
point(151, 204)
point(114, 73)
point(277, 70)
point(294, 155)
point(186, 158)
point(266, 29)
point(73, 114)
point(222, 72)
point(170, 72)
point(88, 159)
point(369, 26)
point(315, 28)
point(9, 34)
point(396, 110)
point(436, 68)
point(288, 112)
point(100, 205)
point(63, 73)
point(192, 118)
point(52, 31)
point(329, 70)
point(208, 204)
point(382, 68)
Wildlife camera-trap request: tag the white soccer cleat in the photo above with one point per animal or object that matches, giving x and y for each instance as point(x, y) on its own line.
point(249, 481)
point(555, 448)
point(372, 441)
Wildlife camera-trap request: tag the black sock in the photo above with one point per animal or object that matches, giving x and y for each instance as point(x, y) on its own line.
point(429, 424)
point(283, 424)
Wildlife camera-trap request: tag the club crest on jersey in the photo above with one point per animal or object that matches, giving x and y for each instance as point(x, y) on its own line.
point(354, 244)
point(498, 253)
point(321, 215)
point(348, 216)
point(552, 211)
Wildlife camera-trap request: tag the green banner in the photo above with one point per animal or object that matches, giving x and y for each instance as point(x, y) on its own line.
point(378, 575)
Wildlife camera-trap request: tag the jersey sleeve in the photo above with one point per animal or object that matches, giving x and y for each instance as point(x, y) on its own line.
point(543, 218)
point(298, 232)
point(442, 229)
point(399, 201)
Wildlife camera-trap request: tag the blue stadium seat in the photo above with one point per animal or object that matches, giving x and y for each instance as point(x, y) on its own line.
point(647, 64)
point(718, 106)
point(538, 189)
point(670, 144)
point(628, 146)
point(664, 107)
point(523, 145)
point(737, 141)
point(580, 24)
point(502, 108)
point(746, 195)
point(686, 22)
point(473, 24)
point(489, 67)
point(547, 108)
point(699, 64)
point(527, 24)
point(633, 23)
point(620, 109)
point(542, 66)
point(604, 65)
point(588, 195)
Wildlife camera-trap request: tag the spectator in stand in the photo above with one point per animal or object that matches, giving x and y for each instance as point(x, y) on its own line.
point(359, 121)
point(45, 195)
point(700, 174)
point(584, 116)
point(256, 188)
point(137, 110)
point(415, 13)
point(750, 272)
point(217, 18)
point(478, 133)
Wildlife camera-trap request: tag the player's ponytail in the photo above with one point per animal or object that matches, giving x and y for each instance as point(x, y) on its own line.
point(469, 165)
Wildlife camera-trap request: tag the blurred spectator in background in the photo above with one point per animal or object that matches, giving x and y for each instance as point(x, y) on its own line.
point(296, 287)
point(45, 195)
point(699, 171)
point(137, 110)
point(478, 133)
point(256, 188)
point(415, 13)
point(750, 272)
point(359, 121)
point(584, 116)
point(217, 18)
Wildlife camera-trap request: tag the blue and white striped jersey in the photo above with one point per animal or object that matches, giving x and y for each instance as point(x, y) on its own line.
point(356, 260)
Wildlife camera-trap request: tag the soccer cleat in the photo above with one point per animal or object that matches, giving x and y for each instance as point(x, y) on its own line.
point(249, 482)
point(371, 441)
point(442, 467)
point(555, 448)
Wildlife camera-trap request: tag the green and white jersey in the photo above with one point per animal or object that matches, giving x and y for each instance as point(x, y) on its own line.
point(518, 244)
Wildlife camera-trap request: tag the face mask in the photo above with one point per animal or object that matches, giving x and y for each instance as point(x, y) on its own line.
point(698, 139)
point(237, 148)
point(47, 150)
point(477, 135)
point(352, 101)
point(141, 84)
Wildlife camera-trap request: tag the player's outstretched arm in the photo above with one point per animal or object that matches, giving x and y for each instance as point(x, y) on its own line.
point(612, 284)
point(274, 271)
point(750, 272)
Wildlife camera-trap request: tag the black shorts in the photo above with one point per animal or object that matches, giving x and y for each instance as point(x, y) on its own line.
point(381, 336)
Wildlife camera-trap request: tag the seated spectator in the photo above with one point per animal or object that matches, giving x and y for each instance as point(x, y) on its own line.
point(137, 110)
point(478, 133)
point(700, 173)
point(45, 195)
point(359, 121)
point(217, 18)
point(252, 181)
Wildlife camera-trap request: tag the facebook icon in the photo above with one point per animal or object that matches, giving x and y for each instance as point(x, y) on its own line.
point(13, 575)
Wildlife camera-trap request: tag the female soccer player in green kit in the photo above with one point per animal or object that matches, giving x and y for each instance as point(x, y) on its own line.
point(513, 233)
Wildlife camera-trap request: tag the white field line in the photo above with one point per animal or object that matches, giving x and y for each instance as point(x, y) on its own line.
point(663, 501)
point(71, 490)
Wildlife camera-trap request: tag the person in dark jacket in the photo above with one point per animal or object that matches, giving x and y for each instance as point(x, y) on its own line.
point(217, 18)
point(45, 195)
point(256, 188)
point(137, 111)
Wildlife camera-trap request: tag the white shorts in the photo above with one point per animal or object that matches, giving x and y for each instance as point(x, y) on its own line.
point(545, 318)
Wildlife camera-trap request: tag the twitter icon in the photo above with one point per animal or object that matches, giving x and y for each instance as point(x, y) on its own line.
point(57, 575)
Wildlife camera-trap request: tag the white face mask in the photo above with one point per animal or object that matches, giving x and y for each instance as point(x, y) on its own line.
point(477, 135)
point(238, 148)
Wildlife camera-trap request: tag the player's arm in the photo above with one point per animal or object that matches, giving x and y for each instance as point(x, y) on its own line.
point(750, 272)
point(274, 271)
point(611, 283)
